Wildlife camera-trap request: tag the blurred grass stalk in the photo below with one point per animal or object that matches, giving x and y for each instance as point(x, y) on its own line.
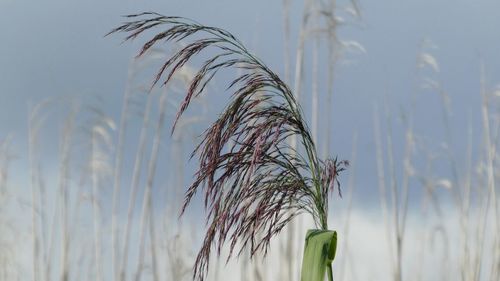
point(7, 250)
point(319, 22)
point(491, 154)
point(473, 234)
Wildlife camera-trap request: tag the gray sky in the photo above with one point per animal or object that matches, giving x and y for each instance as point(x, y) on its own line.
point(56, 48)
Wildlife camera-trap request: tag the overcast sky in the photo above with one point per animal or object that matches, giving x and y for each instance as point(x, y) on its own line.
point(56, 48)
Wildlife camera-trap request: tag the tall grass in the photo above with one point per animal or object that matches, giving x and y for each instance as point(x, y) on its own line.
point(254, 182)
point(471, 193)
point(7, 251)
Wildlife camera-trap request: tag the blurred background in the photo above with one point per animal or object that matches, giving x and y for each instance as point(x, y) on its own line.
point(407, 91)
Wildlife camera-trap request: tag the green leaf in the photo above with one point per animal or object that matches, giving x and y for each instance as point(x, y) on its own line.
point(319, 252)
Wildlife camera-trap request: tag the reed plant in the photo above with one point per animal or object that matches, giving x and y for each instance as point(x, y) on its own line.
point(468, 248)
point(253, 181)
point(8, 266)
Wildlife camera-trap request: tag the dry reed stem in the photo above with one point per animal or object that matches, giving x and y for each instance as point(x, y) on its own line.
point(134, 185)
point(34, 224)
point(119, 151)
point(347, 223)
point(64, 179)
point(147, 199)
point(382, 183)
point(96, 209)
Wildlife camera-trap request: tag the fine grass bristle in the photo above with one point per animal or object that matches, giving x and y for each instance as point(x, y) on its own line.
point(254, 182)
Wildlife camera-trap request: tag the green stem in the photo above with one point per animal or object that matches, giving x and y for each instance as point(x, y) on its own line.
point(330, 272)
